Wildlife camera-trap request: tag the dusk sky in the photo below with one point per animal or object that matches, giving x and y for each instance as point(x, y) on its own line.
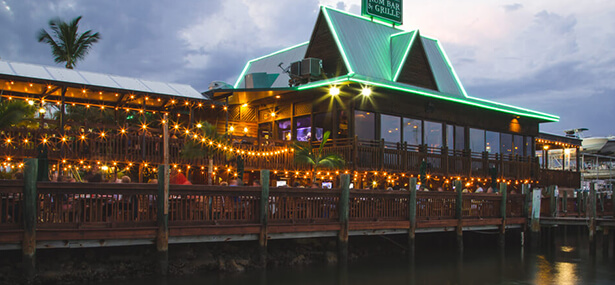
point(555, 56)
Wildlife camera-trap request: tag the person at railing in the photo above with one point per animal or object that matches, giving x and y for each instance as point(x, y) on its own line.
point(178, 178)
point(490, 190)
point(256, 183)
point(479, 189)
point(440, 189)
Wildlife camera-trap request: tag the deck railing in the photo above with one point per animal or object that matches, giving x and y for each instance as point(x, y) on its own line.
point(78, 206)
point(360, 155)
point(577, 206)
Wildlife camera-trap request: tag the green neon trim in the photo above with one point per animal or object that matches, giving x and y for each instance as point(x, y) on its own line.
point(543, 116)
point(243, 73)
point(403, 60)
point(323, 83)
point(523, 112)
point(375, 20)
point(245, 69)
point(401, 33)
point(452, 70)
point(511, 106)
point(337, 40)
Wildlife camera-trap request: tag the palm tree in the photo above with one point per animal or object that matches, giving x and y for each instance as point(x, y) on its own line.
point(67, 45)
point(197, 149)
point(13, 112)
point(305, 154)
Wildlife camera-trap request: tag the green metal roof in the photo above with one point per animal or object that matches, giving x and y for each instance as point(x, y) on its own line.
point(269, 64)
point(374, 54)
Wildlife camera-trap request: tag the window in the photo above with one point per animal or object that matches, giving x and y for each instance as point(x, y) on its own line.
point(320, 124)
point(450, 136)
point(528, 146)
point(365, 125)
point(433, 134)
point(517, 145)
point(390, 128)
point(477, 140)
point(412, 131)
point(284, 131)
point(507, 144)
point(492, 142)
point(342, 127)
point(460, 142)
point(303, 125)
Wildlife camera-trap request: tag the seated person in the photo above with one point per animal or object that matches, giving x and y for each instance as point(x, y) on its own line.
point(178, 178)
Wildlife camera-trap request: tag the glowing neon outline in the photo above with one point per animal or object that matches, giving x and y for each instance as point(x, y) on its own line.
point(403, 61)
point(245, 69)
point(337, 40)
point(522, 111)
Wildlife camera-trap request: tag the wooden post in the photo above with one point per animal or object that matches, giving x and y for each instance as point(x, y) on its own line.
point(355, 153)
point(525, 189)
point(30, 197)
point(552, 201)
point(342, 241)
point(162, 237)
point(503, 191)
point(565, 203)
point(535, 223)
point(592, 217)
point(412, 217)
point(264, 213)
point(459, 214)
point(381, 152)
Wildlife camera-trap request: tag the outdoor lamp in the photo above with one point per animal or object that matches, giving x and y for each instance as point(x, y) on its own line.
point(366, 91)
point(334, 91)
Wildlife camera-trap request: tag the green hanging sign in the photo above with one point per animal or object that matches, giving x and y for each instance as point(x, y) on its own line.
point(385, 10)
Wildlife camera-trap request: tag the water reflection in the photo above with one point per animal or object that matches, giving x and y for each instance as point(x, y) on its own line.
point(566, 263)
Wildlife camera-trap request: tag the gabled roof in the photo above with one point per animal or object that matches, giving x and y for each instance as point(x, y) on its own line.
point(270, 64)
point(379, 54)
point(92, 79)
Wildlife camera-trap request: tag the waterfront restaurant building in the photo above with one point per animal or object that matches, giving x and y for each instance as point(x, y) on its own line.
point(394, 106)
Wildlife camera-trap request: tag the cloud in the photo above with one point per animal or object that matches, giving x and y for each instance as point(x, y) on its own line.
point(512, 7)
point(549, 55)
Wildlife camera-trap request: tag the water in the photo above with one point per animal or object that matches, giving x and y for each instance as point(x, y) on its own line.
point(567, 261)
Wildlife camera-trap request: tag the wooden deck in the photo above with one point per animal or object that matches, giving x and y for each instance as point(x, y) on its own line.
point(81, 147)
point(106, 214)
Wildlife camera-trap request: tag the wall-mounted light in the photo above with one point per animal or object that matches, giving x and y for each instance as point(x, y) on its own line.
point(366, 91)
point(334, 91)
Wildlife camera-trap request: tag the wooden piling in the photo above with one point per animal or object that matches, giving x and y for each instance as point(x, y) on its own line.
point(459, 214)
point(535, 217)
point(552, 201)
point(592, 217)
point(525, 190)
point(503, 191)
point(565, 203)
point(412, 217)
point(264, 213)
point(342, 241)
point(162, 235)
point(30, 197)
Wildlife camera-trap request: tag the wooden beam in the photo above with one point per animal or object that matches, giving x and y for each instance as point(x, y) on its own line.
point(263, 218)
point(412, 217)
point(162, 236)
point(342, 242)
point(503, 191)
point(459, 214)
point(30, 198)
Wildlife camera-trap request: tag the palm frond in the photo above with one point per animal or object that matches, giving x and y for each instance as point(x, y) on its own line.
point(67, 45)
point(14, 112)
